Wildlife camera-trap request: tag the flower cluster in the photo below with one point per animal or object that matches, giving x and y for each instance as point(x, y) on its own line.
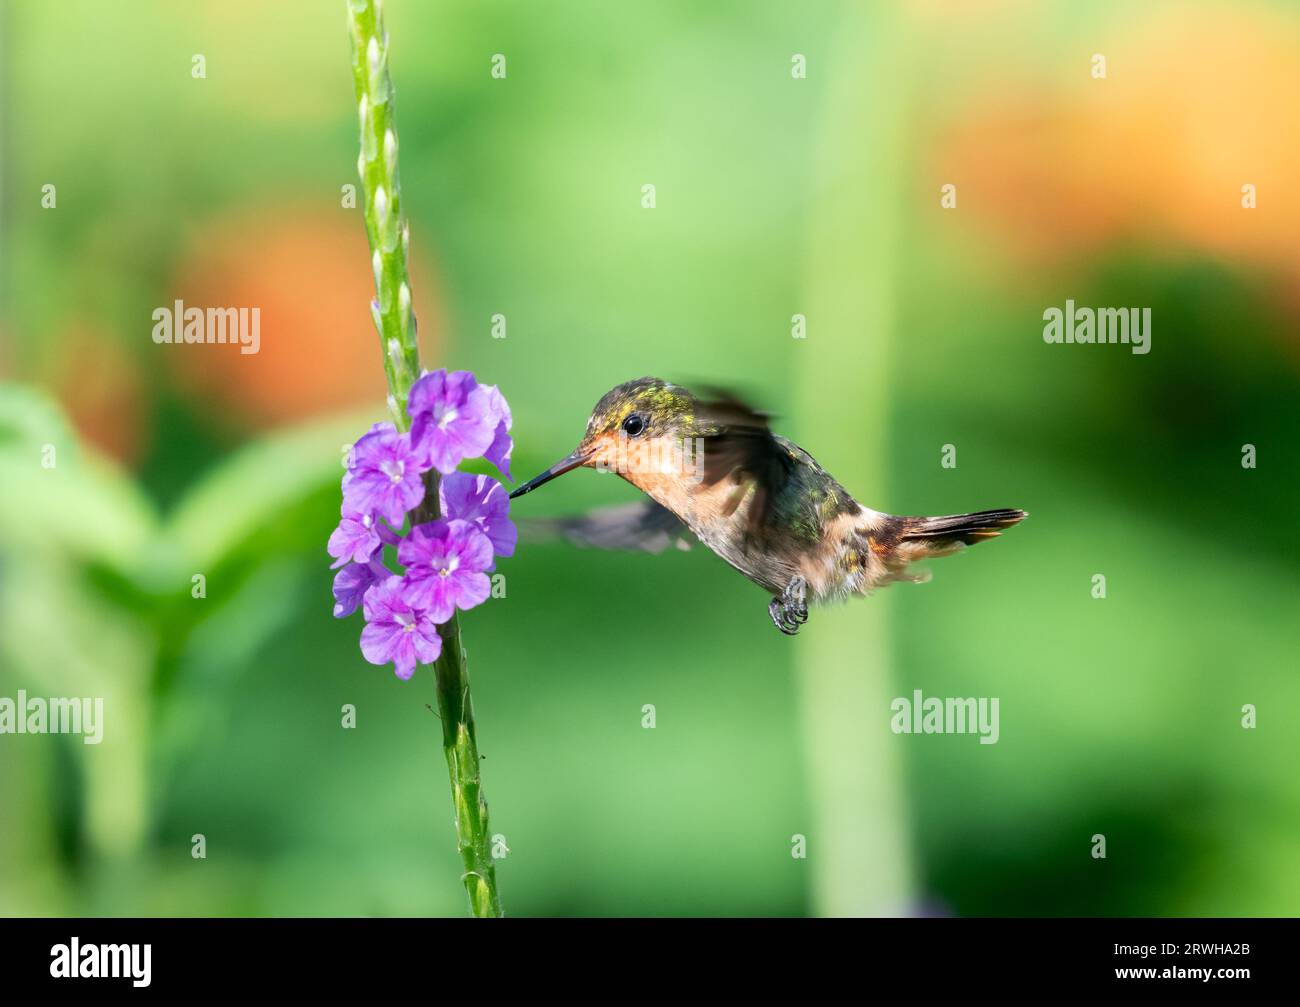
point(445, 562)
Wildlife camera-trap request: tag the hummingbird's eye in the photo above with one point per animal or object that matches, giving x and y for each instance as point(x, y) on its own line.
point(634, 425)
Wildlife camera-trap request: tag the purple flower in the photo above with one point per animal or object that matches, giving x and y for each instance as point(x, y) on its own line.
point(482, 501)
point(356, 539)
point(351, 584)
point(444, 563)
point(452, 418)
point(397, 630)
point(498, 452)
point(384, 475)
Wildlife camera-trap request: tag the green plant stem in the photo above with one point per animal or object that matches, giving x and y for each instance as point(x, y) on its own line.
point(859, 848)
point(389, 238)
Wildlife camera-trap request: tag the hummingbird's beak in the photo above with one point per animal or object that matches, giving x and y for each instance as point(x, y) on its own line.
point(575, 460)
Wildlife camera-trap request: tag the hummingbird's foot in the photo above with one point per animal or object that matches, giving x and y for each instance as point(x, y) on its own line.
point(795, 598)
point(777, 611)
point(790, 611)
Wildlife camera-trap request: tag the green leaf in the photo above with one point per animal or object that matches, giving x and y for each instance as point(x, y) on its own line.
point(60, 497)
point(249, 490)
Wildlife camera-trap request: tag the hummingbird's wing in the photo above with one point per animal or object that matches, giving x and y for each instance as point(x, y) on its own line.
point(640, 526)
point(739, 444)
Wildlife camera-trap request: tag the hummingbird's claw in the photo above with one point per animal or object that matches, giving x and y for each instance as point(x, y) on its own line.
point(776, 610)
point(790, 611)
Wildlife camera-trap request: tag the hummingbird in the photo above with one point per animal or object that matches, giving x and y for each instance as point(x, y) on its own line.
point(712, 469)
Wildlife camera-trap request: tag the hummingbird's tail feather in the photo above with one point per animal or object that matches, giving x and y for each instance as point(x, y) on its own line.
point(939, 536)
point(894, 543)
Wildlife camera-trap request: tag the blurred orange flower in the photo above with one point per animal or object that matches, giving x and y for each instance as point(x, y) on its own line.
point(309, 273)
point(1198, 102)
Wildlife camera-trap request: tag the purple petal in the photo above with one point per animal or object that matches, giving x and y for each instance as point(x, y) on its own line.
point(384, 599)
point(469, 589)
point(452, 418)
point(425, 544)
point(380, 642)
point(355, 539)
point(484, 501)
point(471, 548)
point(434, 394)
point(502, 533)
point(459, 495)
point(433, 594)
point(385, 475)
point(427, 642)
point(350, 586)
point(499, 451)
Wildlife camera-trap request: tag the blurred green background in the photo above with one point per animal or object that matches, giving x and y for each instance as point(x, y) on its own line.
point(776, 196)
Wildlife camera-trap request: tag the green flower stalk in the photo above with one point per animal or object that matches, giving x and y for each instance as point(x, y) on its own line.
point(389, 234)
point(394, 319)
